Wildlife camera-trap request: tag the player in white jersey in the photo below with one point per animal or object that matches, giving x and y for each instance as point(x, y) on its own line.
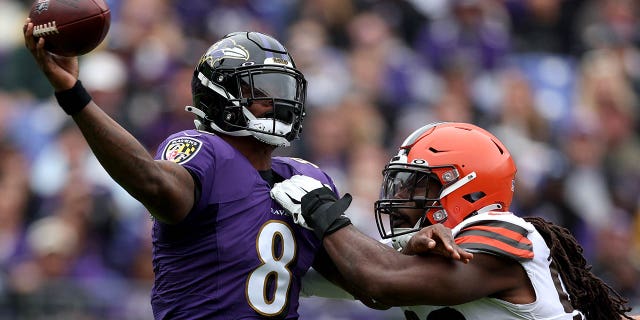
point(488, 233)
point(462, 177)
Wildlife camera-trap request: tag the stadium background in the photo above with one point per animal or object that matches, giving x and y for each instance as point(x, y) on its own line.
point(557, 81)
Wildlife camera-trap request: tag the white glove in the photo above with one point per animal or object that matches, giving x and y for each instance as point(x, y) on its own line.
point(289, 193)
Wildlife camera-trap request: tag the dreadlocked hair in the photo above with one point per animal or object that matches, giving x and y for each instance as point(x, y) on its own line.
point(588, 293)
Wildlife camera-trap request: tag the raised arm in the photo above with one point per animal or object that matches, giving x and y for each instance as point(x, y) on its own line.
point(166, 189)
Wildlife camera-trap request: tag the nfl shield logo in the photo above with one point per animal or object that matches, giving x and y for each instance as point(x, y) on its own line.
point(41, 5)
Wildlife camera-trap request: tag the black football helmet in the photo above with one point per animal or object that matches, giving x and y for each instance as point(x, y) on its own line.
point(236, 71)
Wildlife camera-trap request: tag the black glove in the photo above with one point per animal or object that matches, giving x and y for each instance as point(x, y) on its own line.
point(324, 212)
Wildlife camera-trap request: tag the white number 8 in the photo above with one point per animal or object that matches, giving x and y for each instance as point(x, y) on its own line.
point(268, 285)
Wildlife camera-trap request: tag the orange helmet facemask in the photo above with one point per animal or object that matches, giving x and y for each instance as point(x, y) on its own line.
point(443, 173)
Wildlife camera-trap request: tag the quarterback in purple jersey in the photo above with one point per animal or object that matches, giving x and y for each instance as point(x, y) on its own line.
point(237, 255)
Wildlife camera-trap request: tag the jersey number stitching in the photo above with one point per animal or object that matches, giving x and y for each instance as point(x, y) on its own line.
point(267, 289)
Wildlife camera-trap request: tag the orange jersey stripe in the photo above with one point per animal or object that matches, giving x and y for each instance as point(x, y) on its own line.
point(494, 246)
point(497, 237)
point(499, 230)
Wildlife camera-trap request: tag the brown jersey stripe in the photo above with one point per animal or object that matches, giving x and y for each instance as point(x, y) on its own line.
point(501, 224)
point(564, 297)
point(507, 233)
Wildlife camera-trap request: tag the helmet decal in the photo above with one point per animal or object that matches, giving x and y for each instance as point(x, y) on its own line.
point(42, 6)
point(224, 49)
point(277, 61)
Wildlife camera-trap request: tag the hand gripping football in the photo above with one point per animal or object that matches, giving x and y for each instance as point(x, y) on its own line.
point(70, 27)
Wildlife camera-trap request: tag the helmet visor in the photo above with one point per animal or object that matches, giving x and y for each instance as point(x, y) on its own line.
point(279, 88)
point(400, 184)
point(270, 85)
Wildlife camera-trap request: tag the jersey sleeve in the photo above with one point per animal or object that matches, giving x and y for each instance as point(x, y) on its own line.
point(195, 152)
point(497, 237)
point(187, 148)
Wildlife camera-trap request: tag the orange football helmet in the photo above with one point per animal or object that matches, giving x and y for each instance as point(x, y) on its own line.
point(443, 173)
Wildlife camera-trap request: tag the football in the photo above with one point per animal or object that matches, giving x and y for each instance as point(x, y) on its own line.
point(70, 27)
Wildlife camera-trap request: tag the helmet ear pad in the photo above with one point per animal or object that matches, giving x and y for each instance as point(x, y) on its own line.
point(229, 118)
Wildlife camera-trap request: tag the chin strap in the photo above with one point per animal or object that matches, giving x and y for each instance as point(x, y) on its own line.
point(401, 241)
point(268, 130)
point(260, 124)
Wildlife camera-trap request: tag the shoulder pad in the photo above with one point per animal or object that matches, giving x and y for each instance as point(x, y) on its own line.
point(497, 237)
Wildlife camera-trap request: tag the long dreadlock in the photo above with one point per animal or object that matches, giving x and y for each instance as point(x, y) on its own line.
point(588, 293)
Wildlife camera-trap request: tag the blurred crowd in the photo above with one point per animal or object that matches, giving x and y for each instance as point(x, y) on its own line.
point(558, 81)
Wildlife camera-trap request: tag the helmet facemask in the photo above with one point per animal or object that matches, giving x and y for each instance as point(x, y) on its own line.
point(409, 193)
point(281, 88)
point(284, 94)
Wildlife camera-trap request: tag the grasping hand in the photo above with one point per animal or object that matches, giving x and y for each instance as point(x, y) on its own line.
point(436, 239)
point(62, 72)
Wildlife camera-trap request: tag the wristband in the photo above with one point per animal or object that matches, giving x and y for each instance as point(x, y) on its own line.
point(73, 100)
point(340, 222)
point(324, 212)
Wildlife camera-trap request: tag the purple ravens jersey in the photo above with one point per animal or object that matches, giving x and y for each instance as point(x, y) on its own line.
point(236, 255)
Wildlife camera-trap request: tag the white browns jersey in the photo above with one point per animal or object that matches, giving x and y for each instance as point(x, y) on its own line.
point(504, 234)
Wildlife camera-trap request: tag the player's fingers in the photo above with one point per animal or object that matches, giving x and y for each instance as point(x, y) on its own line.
point(301, 179)
point(288, 195)
point(444, 234)
point(40, 51)
point(454, 251)
point(297, 178)
point(293, 191)
point(421, 242)
point(465, 256)
point(279, 191)
point(29, 40)
point(426, 240)
point(307, 183)
point(26, 24)
point(275, 191)
point(40, 44)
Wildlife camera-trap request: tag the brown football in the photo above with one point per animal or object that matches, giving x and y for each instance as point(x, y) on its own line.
point(70, 27)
